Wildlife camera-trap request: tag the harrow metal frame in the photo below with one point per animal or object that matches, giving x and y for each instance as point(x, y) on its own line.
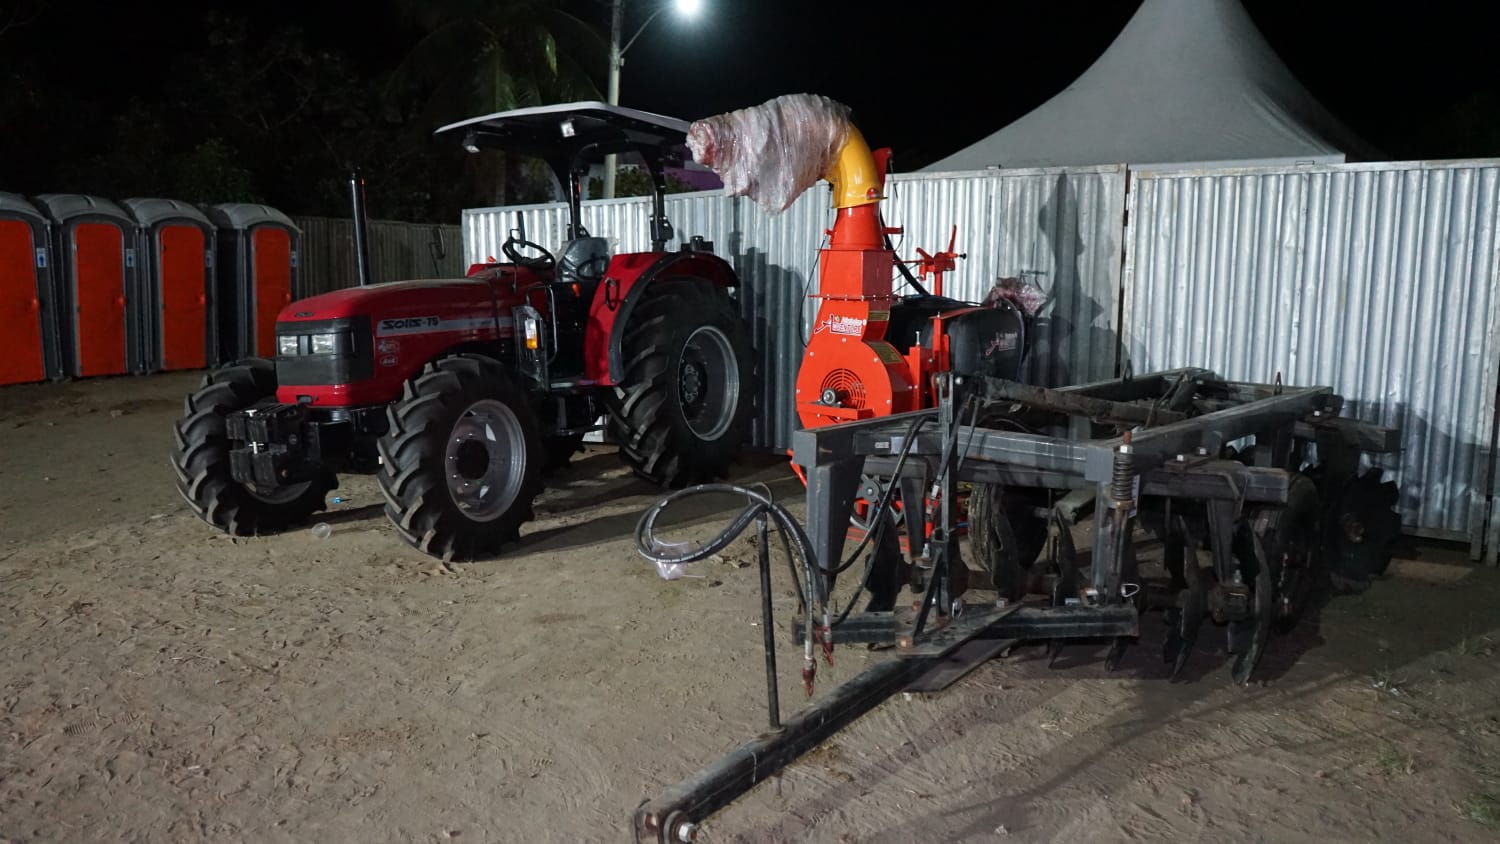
point(1164, 453)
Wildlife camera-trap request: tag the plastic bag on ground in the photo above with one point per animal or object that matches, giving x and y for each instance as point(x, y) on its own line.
point(670, 571)
point(774, 151)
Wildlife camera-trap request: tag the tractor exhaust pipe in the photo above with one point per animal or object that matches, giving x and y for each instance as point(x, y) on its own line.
point(361, 226)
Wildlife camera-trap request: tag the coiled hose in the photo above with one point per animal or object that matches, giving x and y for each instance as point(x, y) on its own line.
point(793, 538)
point(801, 558)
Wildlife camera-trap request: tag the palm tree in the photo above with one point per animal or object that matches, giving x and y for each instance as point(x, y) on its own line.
point(483, 56)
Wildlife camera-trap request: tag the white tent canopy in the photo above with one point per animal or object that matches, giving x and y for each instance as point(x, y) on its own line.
point(1186, 81)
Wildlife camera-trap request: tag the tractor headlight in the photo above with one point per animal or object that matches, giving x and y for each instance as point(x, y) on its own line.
point(532, 330)
point(286, 345)
point(324, 344)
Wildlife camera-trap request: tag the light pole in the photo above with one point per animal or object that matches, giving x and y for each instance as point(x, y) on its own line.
point(686, 8)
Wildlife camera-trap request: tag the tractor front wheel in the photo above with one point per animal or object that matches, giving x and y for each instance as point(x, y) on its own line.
point(200, 456)
point(461, 462)
point(682, 410)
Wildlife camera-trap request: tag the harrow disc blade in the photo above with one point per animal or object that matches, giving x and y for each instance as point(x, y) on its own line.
point(1361, 524)
point(1054, 650)
point(1172, 645)
point(1065, 562)
point(1192, 608)
point(1116, 653)
point(1256, 630)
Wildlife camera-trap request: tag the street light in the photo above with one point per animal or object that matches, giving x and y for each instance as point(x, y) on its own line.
point(685, 8)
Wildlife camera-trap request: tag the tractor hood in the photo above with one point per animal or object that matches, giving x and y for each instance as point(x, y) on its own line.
point(423, 299)
point(357, 347)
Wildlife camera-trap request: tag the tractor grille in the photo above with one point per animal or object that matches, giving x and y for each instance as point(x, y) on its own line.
point(354, 360)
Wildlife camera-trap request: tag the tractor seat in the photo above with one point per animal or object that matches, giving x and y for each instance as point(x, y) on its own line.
point(583, 260)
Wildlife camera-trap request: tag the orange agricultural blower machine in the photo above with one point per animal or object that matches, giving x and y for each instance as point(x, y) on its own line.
point(872, 352)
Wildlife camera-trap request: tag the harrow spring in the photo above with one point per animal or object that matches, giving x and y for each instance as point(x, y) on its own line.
point(1122, 483)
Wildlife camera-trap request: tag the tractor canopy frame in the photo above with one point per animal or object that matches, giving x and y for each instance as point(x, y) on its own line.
point(571, 136)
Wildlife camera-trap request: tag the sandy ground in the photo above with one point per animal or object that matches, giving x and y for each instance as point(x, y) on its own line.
point(161, 682)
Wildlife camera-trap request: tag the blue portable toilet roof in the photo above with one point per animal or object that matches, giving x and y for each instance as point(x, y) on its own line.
point(62, 207)
point(149, 212)
point(16, 205)
point(245, 215)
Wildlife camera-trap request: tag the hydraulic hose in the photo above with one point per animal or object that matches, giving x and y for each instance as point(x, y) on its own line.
point(885, 498)
point(794, 538)
point(798, 546)
point(900, 267)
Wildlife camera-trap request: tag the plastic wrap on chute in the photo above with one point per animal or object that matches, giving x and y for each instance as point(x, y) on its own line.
point(1028, 297)
point(774, 151)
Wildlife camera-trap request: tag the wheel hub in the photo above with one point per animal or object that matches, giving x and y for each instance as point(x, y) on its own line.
point(692, 382)
point(708, 385)
point(1354, 530)
point(485, 461)
point(472, 459)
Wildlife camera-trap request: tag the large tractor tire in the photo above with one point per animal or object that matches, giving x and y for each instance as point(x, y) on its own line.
point(461, 462)
point(682, 410)
point(200, 455)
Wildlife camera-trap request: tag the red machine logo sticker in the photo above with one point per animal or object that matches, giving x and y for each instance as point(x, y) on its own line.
point(401, 326)
point(428, 324)
point(410, 325)
point(852, 326)
point(1002, 343)
point(389, 347)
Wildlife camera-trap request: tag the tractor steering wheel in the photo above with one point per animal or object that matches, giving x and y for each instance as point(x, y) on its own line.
point(541, 262)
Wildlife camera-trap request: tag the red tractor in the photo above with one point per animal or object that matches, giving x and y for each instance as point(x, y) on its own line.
point(457, 393)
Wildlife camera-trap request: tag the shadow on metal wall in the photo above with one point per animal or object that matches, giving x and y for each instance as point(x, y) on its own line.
point(1074, 343)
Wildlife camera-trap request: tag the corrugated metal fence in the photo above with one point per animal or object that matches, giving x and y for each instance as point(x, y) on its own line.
point(1377, 280)
point(397, 251)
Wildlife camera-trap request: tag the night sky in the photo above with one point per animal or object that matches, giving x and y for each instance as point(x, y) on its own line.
point(925, 79)
point(932, 82)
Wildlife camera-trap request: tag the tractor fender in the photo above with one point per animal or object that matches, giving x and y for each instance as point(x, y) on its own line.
point(624, 284)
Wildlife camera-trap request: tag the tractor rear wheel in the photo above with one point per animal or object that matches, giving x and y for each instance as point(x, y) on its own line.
point(683, 408)
point(461, 462)
point(200, 456)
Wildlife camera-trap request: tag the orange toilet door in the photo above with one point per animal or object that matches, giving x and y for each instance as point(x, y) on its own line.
point(184, 301)
point(271, 280)
point(99, 288)
point(20, 310)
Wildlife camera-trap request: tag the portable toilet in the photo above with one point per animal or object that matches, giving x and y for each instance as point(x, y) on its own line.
point(257, 270)
point(94, 241)
point(27, 308)
point(174, 299)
